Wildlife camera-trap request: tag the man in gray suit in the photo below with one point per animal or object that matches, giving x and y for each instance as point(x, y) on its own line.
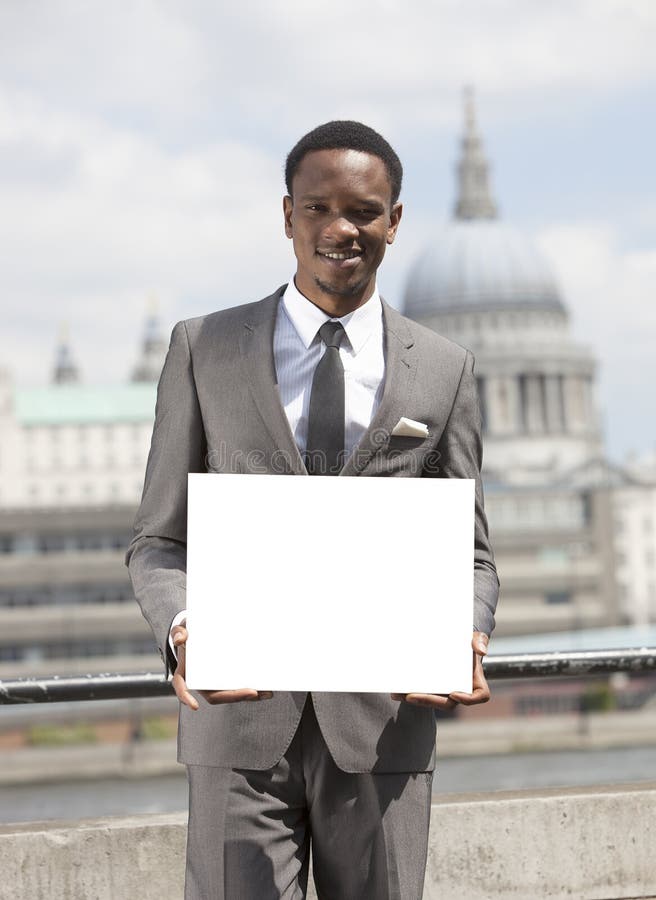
point(311, 380)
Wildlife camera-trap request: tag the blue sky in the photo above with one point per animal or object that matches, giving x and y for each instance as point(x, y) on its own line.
point(141, 150)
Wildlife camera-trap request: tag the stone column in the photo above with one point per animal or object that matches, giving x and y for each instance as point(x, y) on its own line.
point(502, 405)
point(534, 412)
point(575, 403)
point(554, 404)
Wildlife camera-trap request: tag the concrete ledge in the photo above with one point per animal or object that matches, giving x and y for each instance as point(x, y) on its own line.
point(589, 844)
point(592, 844)
point(135, 858)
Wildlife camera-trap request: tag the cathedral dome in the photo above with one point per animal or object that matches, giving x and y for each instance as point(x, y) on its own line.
point(484, 285)
point(479, 264)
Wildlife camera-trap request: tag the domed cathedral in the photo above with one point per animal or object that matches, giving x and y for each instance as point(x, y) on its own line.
point(483, 283)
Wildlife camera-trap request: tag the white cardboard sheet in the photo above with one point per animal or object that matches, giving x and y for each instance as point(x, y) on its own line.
point(330, 584)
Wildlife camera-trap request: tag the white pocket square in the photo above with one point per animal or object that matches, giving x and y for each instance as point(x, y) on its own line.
point(409, 428)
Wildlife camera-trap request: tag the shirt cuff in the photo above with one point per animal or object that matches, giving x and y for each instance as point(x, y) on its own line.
point(178, 620)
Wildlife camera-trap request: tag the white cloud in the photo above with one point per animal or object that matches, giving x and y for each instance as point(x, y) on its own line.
point(610, 294)
point(203, 65)
point(141, 147)
point(129, 217)
point(96, 55)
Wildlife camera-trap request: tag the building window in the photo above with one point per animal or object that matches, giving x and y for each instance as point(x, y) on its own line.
point(557, 598)
point(554, 556)
point(587, 508)
point(65, 595)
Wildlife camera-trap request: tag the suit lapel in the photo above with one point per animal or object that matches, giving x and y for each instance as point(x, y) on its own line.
point(256, 348)
point(400, 373)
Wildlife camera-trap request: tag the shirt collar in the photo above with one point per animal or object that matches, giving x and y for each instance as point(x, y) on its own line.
point(307, 318)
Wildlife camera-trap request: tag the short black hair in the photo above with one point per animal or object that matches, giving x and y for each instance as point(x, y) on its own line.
point(346, 135)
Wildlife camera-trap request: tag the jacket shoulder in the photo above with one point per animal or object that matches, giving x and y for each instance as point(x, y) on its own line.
point(224, 321)
point(425, 339)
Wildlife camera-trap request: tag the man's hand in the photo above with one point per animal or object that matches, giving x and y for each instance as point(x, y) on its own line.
point(480, 688)
point(179, 635)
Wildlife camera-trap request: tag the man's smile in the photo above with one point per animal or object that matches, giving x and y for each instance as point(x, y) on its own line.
point(343, 259)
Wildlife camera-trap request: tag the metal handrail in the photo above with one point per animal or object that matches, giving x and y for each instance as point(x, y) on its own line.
point(111, 686)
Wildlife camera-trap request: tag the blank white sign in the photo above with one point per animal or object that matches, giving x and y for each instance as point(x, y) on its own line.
point(330, 584)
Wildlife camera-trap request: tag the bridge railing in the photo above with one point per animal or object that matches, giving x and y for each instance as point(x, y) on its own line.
point(113, 686)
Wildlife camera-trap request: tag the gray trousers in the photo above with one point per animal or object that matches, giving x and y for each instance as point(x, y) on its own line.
point(250, 832)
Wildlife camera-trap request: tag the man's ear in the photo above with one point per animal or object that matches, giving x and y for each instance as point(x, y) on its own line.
point(287, 207)
point(395, 218)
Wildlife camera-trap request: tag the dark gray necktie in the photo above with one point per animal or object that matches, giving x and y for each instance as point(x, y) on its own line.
point(325, 440)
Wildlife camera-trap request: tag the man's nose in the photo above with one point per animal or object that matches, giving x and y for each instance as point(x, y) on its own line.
point(342, 229)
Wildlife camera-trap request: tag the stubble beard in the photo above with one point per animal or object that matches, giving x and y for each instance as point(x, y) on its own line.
point(350, 290)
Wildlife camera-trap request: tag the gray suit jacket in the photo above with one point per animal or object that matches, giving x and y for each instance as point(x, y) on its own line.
point(218, 409)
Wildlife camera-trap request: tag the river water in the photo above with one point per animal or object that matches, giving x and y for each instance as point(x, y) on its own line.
point(123, 796)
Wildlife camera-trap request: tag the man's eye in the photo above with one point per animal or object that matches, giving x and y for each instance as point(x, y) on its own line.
point(317, 207)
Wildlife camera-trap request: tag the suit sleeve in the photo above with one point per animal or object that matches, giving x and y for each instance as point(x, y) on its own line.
point(157, 555)
point(461, 456)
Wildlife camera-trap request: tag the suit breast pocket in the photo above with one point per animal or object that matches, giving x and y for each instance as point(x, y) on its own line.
point(404, 456)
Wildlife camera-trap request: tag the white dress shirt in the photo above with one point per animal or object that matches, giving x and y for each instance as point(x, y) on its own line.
point(297, 348)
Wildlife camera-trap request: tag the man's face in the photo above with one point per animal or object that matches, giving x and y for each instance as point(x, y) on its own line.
point(340, 219)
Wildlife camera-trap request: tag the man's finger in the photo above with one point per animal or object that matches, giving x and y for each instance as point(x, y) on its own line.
point(179, 635)
point(183, 693)
point(434, 701)
point(480, 688)
point(216, 698)
point(478, 695)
